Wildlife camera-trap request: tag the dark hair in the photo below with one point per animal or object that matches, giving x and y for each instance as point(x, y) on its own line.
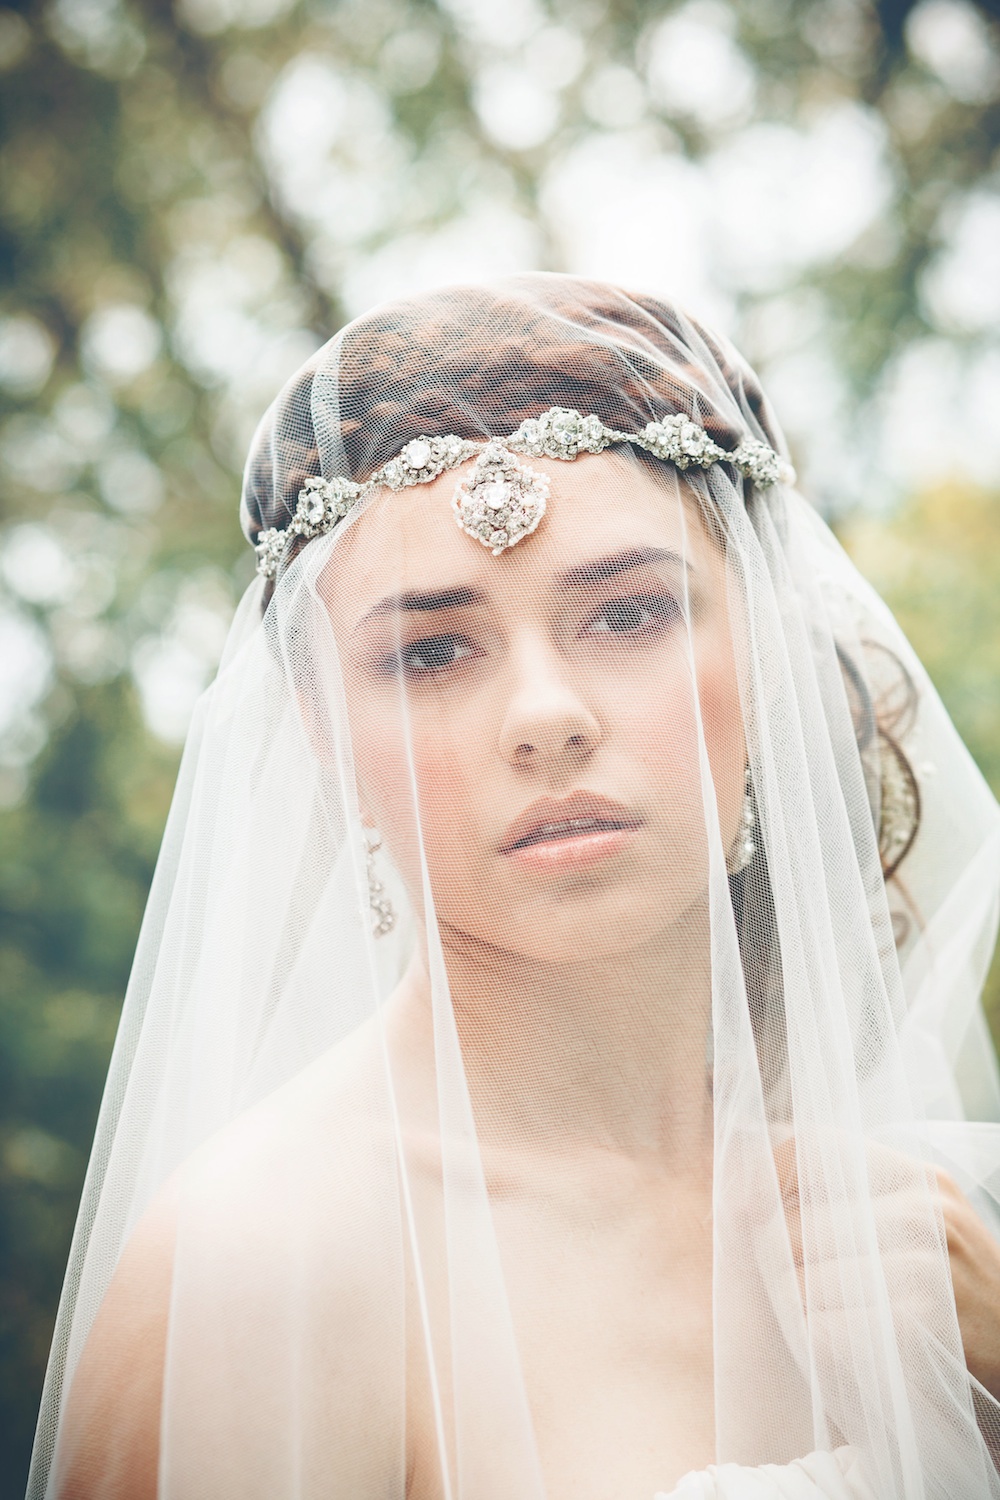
point(881, 719)
point(477, 361)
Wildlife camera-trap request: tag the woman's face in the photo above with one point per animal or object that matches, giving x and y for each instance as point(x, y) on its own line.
point(539, 711)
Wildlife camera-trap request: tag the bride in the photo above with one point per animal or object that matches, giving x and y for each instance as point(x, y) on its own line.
point(552, 1063)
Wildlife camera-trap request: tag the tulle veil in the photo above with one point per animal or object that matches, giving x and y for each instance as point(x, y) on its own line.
point(344, 1121)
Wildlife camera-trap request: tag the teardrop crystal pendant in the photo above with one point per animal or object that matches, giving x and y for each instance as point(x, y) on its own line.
point(502, 500)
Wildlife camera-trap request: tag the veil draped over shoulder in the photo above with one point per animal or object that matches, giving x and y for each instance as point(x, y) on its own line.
point(561, 975)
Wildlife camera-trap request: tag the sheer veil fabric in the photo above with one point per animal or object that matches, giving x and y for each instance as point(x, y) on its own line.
point(608, 1170)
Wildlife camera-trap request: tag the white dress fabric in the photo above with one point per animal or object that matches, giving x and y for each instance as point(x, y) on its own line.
point(818, 1476)
point(612, 1161)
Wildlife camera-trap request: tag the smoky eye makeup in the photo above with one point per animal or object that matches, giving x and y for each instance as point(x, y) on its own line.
point(417, 645)
point(620, 601)
point(626, 597)
point(623, 617)
point(640, 613)
point(422, 635)
point(634, 607)
point(429, 656)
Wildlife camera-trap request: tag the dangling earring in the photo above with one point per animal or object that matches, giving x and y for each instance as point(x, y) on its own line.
point(382, 912)
point(744, 845)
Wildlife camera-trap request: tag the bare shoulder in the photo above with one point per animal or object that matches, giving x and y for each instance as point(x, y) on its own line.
point(278, 1223)
point(110, 1434)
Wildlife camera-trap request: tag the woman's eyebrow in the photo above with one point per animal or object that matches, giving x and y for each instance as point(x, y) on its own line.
point(456, 597)
point(460, 596)
point(619, 562)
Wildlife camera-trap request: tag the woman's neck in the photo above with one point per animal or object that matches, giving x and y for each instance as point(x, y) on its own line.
point(609, 1052)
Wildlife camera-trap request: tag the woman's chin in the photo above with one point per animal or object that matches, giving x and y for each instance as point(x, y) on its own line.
point(588, 930)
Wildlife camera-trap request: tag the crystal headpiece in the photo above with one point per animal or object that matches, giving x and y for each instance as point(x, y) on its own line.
point(502, 500)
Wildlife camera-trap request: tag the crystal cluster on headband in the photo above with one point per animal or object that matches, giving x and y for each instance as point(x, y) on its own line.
point(502, 501)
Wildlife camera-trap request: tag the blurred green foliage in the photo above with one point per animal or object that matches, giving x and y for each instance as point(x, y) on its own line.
point(162, 268)
point(936, 562)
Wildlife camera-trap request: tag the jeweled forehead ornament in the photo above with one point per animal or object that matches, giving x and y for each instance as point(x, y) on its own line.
point(502, 500)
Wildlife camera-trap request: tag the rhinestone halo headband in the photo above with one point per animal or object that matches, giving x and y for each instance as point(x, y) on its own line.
point(502, 501)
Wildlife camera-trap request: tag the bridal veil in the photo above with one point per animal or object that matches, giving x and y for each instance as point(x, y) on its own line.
point(568, 798)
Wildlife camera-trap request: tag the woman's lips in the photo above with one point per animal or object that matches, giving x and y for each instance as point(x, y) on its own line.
point(571, 833)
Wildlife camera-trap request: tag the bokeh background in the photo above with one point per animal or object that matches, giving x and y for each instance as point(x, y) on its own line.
point(193, 198)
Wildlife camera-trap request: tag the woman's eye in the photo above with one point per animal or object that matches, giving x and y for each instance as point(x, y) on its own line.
point(635, 614)
point(430, 654)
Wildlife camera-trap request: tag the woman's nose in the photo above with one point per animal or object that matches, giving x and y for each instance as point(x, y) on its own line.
point(547, 721)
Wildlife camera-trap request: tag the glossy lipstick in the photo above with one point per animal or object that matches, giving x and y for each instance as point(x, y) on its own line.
point(569, 833)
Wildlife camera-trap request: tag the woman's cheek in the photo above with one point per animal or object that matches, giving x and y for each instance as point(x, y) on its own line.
point(415, 788)
point(659, 729)
point(444, 786)
point(722, 719)
point(384, 783)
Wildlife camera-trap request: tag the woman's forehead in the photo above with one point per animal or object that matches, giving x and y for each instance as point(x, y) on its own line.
point(598, 507)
